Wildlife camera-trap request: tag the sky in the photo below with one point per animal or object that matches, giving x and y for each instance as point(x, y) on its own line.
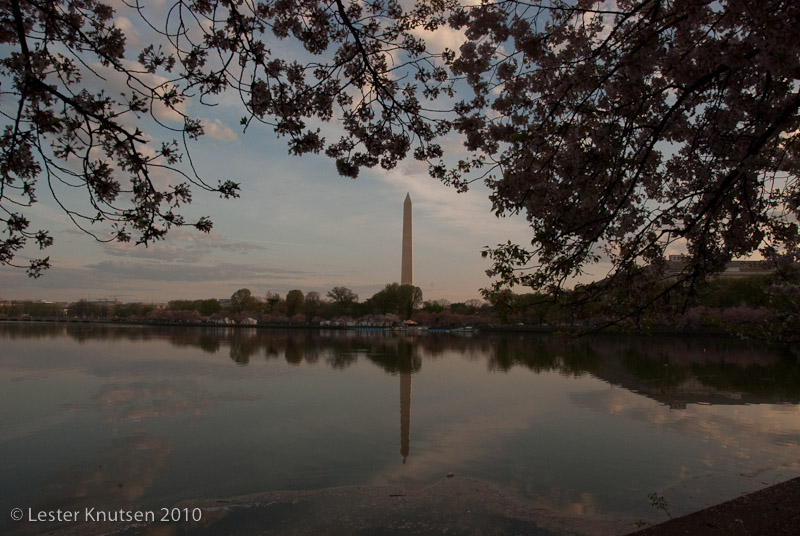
point(297, 225)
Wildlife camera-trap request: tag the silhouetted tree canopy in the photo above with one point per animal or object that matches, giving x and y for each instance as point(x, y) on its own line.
point(396, 299)
point(243, 300)
point(618, 129)
point(342, 295)
point(294, 301)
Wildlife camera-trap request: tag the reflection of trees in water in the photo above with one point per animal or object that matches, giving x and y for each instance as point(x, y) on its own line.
point(543, 354)
point(656, 364)
point(30, 330)
point(293, 351)
point(241, 351)
point(700, 369)
point(696, 350)
point(340, 360)
point(693, 368)
point(720, 363)
point(781, 379)
point(78, 331)
point(244, 343)
point(655, 368)
point(393, 354)
point(397, 355)
point(295, 347)
point(208, 344)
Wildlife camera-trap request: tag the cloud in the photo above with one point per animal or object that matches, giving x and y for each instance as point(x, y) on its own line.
point(165, 398)
point(214, 128)
point(129, 29)
point(156, 271)
point(164, 252)
point(442, 38)
point(118, 476)
point(704, 422)
point(182, 246)
point(469, 212)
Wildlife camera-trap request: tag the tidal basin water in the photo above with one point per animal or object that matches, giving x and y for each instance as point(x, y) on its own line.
point(133, 417)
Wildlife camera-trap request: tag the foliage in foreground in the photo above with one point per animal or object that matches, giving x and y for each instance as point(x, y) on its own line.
point(618, 130)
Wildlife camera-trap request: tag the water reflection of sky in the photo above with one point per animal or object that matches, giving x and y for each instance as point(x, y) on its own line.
point(128, 417)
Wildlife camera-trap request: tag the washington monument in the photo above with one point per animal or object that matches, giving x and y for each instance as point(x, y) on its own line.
point(407, 270)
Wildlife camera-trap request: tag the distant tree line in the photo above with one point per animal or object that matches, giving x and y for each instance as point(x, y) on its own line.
point(401, 301)
point(756, 307)
point(79, 309)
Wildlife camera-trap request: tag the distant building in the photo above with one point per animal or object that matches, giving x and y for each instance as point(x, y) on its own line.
point(733, 270)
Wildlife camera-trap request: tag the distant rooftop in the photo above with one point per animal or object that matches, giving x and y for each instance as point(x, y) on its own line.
point(733, 269)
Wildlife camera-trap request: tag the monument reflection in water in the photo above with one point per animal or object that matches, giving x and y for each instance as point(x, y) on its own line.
point(131, 417)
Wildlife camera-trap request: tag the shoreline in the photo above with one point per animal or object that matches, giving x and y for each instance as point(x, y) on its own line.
point(460, 506)
point(772, 511)
point(568, 331)
point(456, 506)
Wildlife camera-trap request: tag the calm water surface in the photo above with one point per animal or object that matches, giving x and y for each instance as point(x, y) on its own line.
point(135, 417)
